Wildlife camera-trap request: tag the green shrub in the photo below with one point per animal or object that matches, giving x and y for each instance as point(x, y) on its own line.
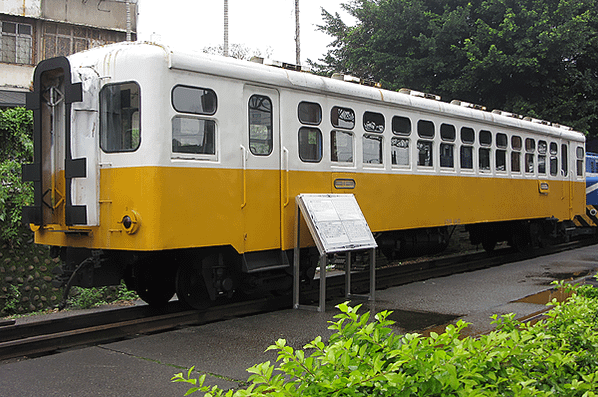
point(557, 356)
point(85, 298)
point(16, 147)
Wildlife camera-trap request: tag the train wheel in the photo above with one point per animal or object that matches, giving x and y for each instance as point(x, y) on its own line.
point(489, 243)
point(155, 289)
point(153, 285)
point(191, 287)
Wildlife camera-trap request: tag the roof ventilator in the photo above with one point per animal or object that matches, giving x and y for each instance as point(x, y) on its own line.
point(356, 80)
point(419, 94)
point(279, 64)
point(467, 104)
point(507, 114)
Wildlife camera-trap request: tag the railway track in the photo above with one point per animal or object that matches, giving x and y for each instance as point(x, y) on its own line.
point(45, 336)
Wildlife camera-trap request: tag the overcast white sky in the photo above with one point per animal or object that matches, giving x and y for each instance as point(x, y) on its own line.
point(257, 24)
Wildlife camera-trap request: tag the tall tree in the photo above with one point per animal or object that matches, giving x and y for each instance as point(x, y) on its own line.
point(533, 57)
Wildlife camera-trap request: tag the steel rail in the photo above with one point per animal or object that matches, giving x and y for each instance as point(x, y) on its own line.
point(41, 337)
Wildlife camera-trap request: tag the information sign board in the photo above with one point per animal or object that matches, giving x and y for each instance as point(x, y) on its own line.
point(336, 222)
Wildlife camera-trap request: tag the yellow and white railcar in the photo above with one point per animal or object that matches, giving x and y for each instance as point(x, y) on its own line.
point(176, 169)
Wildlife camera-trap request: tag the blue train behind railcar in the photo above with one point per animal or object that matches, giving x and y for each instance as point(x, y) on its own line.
point(592, 179)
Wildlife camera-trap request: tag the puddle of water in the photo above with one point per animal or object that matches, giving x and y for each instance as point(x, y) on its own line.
point(542, 298)
point(411, 321)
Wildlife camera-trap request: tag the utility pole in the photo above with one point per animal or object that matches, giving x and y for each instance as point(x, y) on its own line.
point(297, 42)
point(225, 49)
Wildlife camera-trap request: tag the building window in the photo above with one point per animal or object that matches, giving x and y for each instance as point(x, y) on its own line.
point(62, 39)
point(17, 43)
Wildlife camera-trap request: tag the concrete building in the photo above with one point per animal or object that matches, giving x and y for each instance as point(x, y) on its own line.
point(32, 30)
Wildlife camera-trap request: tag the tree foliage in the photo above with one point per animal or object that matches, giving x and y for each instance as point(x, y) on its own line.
point(16, 147)
point(531, 57)
point(554, 357)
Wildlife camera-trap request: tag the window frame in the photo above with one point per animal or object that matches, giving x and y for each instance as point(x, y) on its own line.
point(101, 111)
point(312, 105)
point(270, 139)
point(181, 155)
point(184, 86)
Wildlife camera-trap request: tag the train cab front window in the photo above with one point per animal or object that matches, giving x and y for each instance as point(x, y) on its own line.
point(119, 117)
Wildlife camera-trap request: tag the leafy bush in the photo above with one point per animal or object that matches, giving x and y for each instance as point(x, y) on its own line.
point(85, 298)
point(557, 356)
point(16, 147)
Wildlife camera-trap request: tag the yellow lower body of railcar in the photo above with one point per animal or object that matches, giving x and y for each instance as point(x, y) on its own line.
point(254, 210)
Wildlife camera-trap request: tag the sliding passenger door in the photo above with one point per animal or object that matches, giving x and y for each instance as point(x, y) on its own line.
point(260, 152)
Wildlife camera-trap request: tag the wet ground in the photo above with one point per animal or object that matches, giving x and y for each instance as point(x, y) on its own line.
point(143, 366)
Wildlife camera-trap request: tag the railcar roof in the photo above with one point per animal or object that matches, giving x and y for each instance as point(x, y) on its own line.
point(273, 76)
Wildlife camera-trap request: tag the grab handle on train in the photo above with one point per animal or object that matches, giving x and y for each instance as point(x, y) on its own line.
point(285, 152)
point(244, 161)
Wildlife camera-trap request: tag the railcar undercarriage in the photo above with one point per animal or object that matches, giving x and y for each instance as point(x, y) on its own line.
point(202, 276)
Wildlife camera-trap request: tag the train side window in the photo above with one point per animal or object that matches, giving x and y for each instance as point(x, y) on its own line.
point(120, 129)
point(372, 149)
point(341, 146)
point(373, 122)
point(501, 153)
point(554, 162)
point(425, 153)
point(516, 145)
point(425, 129)
point(485, 140)
point(194, 100)
point(466, 152)
point(580, 153)
point(310, 144)
point(310, 113)
point(564, 160)
point(447, 134)
point(542, 148)
point(530, 149)
point(342, 117)
point(401, 125)
point(399, 151)
point(194, 136)
point(260, 125)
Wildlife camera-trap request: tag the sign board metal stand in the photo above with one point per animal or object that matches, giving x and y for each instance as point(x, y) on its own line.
point(336, 224)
